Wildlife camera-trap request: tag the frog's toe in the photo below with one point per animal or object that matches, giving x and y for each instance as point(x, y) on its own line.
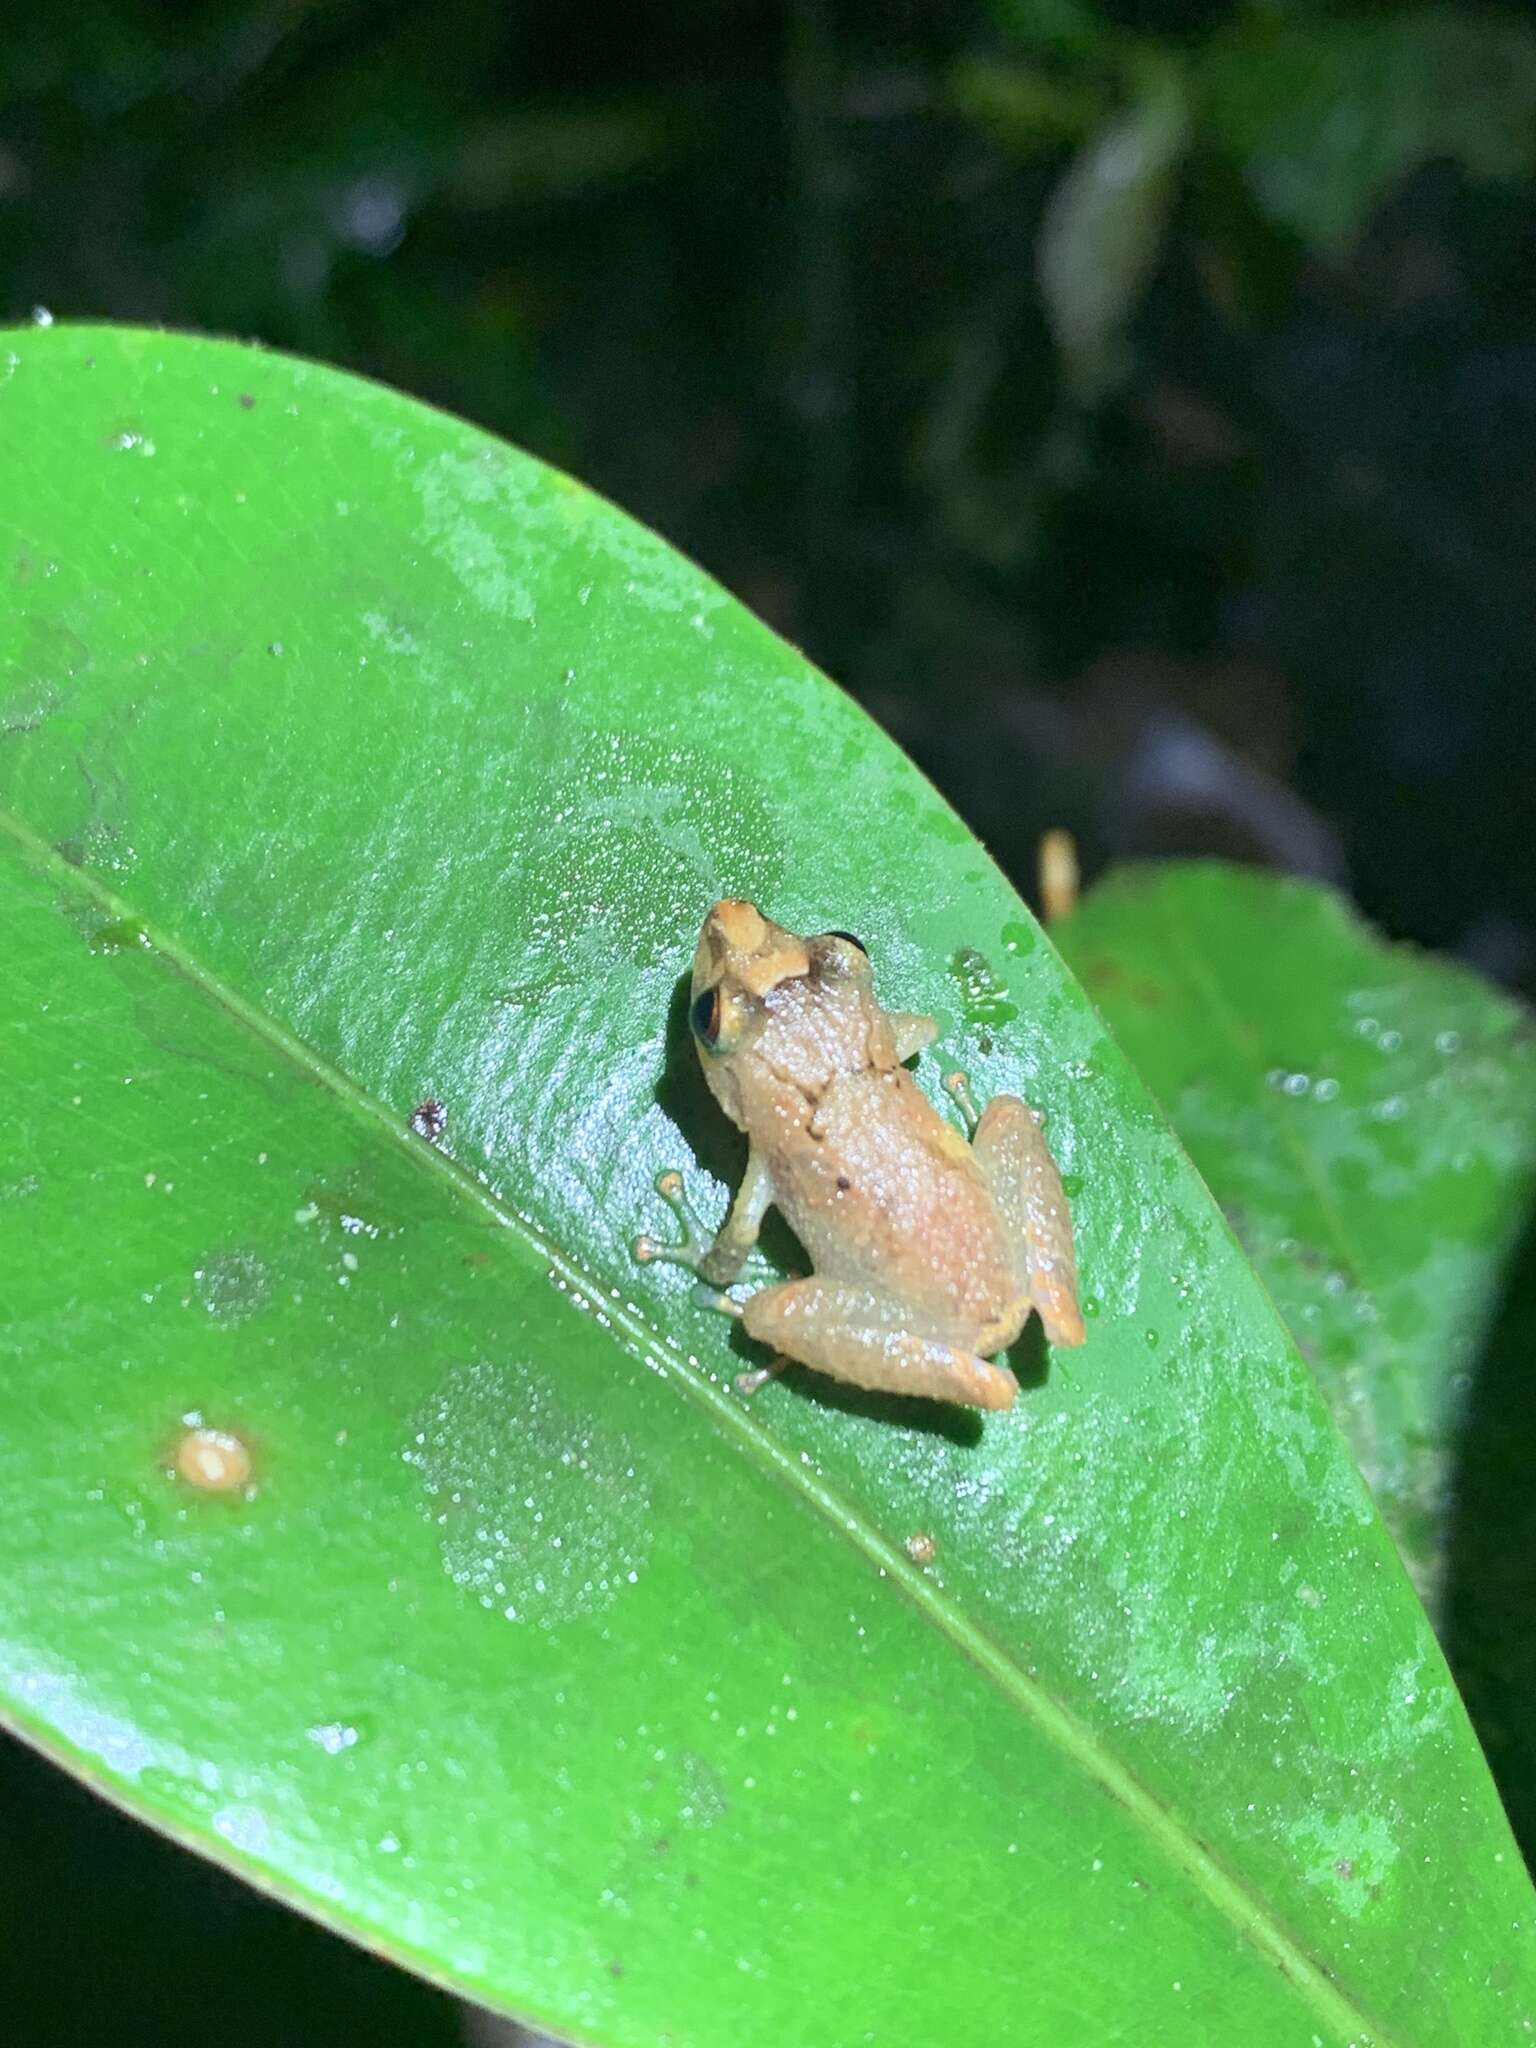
point(957, 1087)
point(749, 1383)
point(705, 1296)
point(691, 1247)
point(646, 1249)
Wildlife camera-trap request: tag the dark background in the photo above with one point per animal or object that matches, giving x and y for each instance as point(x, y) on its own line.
point(1133, 405)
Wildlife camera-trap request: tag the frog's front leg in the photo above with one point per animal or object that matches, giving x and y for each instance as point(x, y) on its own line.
point(855, 1332)
point(1011, 1151)
point(911, 1032)
point(719, 1261)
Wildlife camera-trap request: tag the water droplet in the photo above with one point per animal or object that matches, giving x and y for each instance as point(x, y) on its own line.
point(233, 1285)
point(1447, 1041)
point(333, 1736)
point(983, 994)
point(246, 1827)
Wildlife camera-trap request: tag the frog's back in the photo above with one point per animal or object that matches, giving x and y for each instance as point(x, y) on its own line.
point(881, 1188)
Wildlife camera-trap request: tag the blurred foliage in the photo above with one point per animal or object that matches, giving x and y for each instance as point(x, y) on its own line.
point(1102, 231)
point(1145, 392)
point(1327, 116)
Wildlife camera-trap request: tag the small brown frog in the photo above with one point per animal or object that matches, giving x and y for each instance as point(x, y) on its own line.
point(929, 1252)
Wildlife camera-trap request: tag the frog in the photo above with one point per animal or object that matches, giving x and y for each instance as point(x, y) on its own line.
point(929, 1248)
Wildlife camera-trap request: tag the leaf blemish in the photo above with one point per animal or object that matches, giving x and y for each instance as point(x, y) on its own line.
point(122, 936)
point(537, 1523)
point(212, 1460)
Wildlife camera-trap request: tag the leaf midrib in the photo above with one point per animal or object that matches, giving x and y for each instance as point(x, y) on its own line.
point(1053, 1719)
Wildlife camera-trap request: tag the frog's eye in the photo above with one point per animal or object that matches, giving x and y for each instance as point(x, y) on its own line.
point(705, 1017)
point(852, 940)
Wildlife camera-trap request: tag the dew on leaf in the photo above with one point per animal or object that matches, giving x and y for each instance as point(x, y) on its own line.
point(541, 1513)
point(983, 994)
point(233, 1284)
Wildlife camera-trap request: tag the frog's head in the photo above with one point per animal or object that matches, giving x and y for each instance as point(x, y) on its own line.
point(759, 989)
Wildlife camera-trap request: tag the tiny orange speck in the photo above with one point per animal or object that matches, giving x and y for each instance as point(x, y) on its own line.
point(213, 1460)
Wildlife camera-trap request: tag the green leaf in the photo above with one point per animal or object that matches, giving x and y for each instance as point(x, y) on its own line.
point(1026, 108)
point(1071, 27)
point(351, 758)
point(1328, 116)
point(1102, 231)
point(1366, 1116)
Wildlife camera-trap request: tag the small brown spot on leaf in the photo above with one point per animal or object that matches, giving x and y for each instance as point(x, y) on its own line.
point(429, 1120)
point(213, 1460)
point(246, 401)
point(1101, 973)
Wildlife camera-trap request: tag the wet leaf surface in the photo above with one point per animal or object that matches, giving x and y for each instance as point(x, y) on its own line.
point(1366, 1116)
point(351, 761)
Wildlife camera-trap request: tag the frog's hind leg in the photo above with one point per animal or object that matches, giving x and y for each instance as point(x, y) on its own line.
point(1011, 1151)
point(860, 1335)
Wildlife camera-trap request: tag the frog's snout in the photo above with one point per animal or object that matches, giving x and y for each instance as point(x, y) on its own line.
point(746, 950)
point(738, 924)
